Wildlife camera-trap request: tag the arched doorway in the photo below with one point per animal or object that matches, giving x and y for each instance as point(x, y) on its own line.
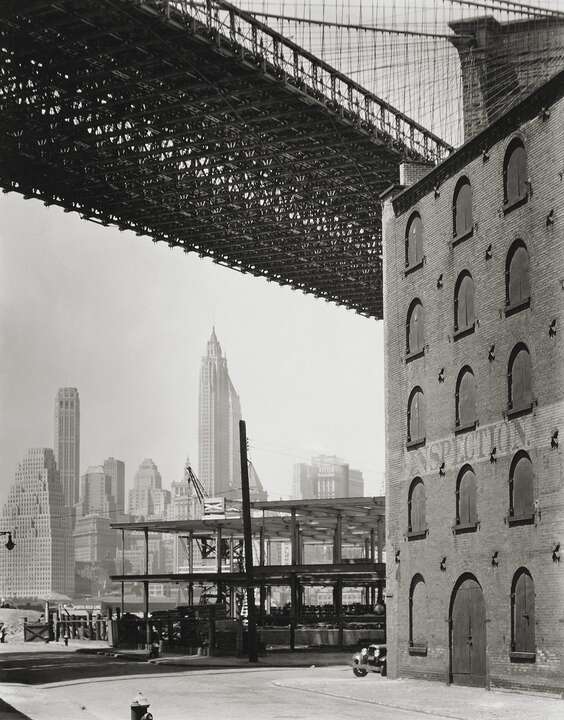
point(468, 633)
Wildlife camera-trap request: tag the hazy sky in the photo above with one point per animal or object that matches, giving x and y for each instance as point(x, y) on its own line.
point(126, 322)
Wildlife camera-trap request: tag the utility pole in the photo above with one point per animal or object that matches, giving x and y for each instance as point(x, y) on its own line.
point(248, 541)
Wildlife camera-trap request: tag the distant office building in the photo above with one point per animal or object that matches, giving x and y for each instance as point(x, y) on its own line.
point(133, 557)
point(327, 476)
point(116, 470)
point(356, 483)
point(304, 481)
point(147, 499)
point(67, 442)
point(219, 464)
point(96, 494)
point(94, 540)
point(41, 563)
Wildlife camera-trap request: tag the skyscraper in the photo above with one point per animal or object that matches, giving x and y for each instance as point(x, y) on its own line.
point(147, 499)
point(220, 412)
point(96, 496)
point(116, 470)
point(42, 561)
point(67, 442)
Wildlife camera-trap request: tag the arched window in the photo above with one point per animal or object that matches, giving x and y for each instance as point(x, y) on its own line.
point(466, 512)
point(418, 614)
point(414, 241)
point(417, 523)
point(466, 399)
point(523, 615)
point(515, 173)
point(464, 302)
point(415, 336)
point(520, 380)
point(415, 417)
point(517, 286)
point(521, 488)
point(462, 208)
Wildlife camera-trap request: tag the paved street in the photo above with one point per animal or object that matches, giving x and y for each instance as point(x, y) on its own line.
point(48, 667)
point(261, 693)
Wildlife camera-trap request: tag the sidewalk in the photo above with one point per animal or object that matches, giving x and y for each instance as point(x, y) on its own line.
point(306, 658)
point(435, 699)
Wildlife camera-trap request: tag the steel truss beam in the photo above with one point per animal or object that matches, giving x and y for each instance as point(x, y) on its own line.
point(199, 126)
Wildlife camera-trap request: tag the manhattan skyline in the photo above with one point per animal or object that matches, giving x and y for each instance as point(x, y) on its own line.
point(126, 323)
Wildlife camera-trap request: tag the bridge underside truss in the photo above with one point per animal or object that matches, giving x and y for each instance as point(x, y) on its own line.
point(198, 126)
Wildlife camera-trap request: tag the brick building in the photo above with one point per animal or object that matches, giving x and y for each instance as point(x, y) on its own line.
point(474, 336)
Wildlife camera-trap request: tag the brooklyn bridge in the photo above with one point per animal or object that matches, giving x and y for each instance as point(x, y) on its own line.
point(199, 126)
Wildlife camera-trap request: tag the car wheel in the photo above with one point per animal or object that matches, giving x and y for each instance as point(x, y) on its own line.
point(360, 672)
point(383, 669)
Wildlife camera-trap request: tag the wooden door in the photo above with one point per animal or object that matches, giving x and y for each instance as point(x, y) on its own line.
point(468, 635)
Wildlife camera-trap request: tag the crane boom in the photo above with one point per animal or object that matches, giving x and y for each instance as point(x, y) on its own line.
point(199, 488)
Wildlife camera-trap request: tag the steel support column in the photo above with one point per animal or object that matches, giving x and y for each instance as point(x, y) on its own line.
point(146, 593)
point(380, 551)
point(122, 606)
point(191, 567)
point(262, 591)
point(218, 539)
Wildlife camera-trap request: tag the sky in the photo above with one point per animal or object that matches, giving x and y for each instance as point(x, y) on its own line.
point(126, 321)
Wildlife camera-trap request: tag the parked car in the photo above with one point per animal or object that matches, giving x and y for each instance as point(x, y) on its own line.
point(370, 659)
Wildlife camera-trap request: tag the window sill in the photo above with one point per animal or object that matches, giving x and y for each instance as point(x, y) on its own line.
point(517, 412)
point(417, 534)
point(413, 268)
point(464, 332)
point(460, 528)
point(409, 357)
point(527, 519)
point(412, 444)
point(460, 429)
point(509, 206)
point(459, 238)
point(517, 307)
point(417, 649)
point(524, 657)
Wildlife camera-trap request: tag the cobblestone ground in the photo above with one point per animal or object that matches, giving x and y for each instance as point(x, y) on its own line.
point(264, 693)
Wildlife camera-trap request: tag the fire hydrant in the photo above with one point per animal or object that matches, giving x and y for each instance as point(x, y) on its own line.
point(139, 706)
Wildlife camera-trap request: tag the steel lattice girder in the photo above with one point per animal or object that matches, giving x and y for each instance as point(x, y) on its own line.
point(141, 115)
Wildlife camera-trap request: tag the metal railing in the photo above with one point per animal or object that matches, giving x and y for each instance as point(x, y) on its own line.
point(238, 31)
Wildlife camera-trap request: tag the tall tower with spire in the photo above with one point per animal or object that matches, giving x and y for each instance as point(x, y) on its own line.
point(220, 411)
point(67, 442)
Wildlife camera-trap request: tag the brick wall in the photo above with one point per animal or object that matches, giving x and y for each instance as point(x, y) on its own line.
point(484, 255)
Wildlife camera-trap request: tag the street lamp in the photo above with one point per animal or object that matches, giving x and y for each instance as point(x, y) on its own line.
point(10, 544)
